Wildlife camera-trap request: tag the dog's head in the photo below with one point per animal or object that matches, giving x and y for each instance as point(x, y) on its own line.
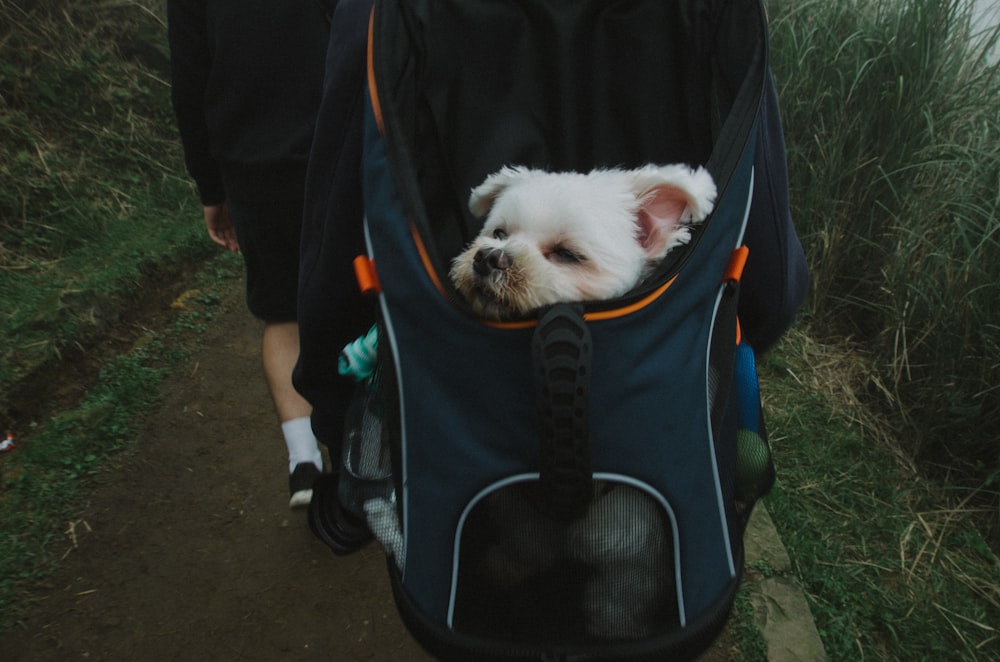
point(563, 237)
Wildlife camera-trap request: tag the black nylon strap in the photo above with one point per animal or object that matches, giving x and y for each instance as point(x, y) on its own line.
point(562, 355)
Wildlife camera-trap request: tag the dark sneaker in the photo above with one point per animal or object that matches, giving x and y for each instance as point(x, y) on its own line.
point(342, 531)
point(300, 484)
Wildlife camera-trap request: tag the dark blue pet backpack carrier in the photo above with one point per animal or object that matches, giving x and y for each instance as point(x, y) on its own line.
point(572, 486)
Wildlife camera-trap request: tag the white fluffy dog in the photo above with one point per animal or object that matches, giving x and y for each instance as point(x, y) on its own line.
point(567, 237)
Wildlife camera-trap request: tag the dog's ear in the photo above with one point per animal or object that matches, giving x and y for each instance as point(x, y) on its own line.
point(485, 194)
point(670, 198)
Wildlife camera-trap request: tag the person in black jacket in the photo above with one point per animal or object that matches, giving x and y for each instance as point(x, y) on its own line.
point(246, 82)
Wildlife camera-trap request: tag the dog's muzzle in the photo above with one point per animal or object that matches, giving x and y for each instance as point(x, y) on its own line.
point(488, 260)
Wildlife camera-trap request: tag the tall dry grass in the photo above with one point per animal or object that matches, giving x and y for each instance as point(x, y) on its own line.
point(892, 119)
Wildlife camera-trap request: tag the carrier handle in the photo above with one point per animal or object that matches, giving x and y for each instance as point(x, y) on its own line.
point(562, 350)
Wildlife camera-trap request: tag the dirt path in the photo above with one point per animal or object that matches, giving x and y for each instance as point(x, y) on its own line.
point(187, 551)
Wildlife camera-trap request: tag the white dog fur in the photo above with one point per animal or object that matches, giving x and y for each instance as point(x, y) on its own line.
point(566, 237)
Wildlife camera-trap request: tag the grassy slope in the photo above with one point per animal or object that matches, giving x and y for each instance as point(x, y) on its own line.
point(94, 201)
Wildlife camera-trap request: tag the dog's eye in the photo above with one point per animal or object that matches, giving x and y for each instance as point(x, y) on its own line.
point(500, 234)
point(563, 254)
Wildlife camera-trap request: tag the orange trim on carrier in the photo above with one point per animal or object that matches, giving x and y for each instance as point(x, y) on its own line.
point(733, 274)
point(364, 271)
point(596, 316)
point(372, 91)
point(426, 259)
point(737, 261)
point(628, 310)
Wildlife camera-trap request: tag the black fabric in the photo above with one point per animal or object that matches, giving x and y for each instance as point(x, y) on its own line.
point(561, 352)
point(268, 234)
point(776, 277)
point(571, 86)
point(448, 645)
point(245, 93)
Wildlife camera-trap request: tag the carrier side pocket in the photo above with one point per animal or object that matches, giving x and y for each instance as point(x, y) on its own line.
point(754, 466)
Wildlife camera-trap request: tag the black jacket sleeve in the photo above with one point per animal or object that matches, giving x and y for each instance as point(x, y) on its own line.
point(331, 310)
point(776, 277)
point(190, 66)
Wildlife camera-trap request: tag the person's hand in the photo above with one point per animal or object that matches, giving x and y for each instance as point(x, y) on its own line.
point(220, 227)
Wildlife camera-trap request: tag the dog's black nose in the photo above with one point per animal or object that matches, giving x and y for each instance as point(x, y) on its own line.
point(487, 260)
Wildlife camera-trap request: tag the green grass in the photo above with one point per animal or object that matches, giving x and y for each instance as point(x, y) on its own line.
point(743, 628)
point(48, 307)
point(94, 203)
point(891, 570)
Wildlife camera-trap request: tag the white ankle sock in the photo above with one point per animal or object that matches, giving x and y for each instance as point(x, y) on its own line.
point(302, 444)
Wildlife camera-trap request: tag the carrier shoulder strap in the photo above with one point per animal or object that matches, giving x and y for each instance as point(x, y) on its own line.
point(562, 356)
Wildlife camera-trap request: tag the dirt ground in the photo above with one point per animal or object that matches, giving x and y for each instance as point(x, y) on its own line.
point(187, 549)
